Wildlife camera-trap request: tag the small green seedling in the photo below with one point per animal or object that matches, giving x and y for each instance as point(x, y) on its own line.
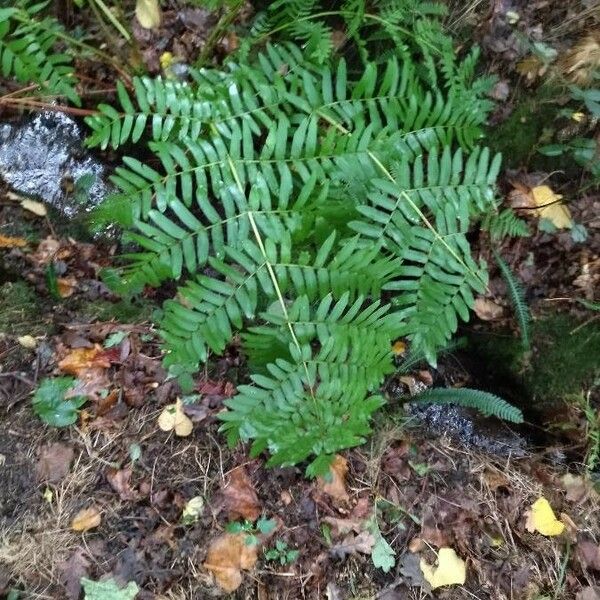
point(281, 553)
point(52, 406)
point(263, 525)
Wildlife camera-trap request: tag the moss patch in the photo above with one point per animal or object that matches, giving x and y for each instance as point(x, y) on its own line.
point(564, 360)
point(20, 309)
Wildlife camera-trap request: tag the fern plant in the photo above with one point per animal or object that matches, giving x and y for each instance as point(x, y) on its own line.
point(28, 48)
point(484, 402)
point(517, 297)
point(321, 214)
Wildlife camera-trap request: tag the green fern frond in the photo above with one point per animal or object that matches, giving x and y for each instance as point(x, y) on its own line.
point(28, 49)
point(517, 298)
point(286, 198)
point(484, 402)
point(422, 217)
point(504, 224)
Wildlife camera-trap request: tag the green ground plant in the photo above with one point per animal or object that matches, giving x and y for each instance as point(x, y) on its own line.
point(318, 207)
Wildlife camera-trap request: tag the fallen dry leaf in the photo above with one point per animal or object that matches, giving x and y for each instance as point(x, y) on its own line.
point(227, 556)
point(193, 509)
point(72, 570)
point(399, 348)
point(66, 286)
point(148, 13)
point(241, 499)
point(173, 418)
point(487, 310)
point(120, 481)
point(589, 554)
point(351, 544)
point(54, 462)
point(550, 207)
point(450, 570)
point(27, 341)
point(37, 208)
point(80, 361)
point(334, 484)
point(86, 519)
point(541, 518)
point(577, 487)
point(588, 593)
point(12, 242)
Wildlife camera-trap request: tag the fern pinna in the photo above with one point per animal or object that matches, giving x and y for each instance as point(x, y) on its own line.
point(320, 213)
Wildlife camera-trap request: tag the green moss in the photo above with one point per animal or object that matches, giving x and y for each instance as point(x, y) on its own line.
point(124, 311)
point(517, 137)
point(20, 309)
point(563, 361)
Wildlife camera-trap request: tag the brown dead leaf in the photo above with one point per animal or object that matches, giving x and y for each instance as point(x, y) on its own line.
point(588, 593)
point(72, 570)
point(120, 481)
point(46, 251)
point(12, 242)
point(577, 487)
point(241, 499)
point(66, 286)
point(486, 309)
point(352, 544)
point(334, 484)
point(341, 527)
point(86, 519)
point(589, 554)
point(54, 462)
point(227, 556)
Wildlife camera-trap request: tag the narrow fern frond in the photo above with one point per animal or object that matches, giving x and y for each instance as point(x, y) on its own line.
point(28, 49)
point(484, 402)
point(517, 298)
point(504, 224)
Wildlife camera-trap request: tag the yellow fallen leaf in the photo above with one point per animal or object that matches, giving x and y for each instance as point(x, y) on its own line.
point(148, 13)
point(12, 242)
point(399, 348)
point(173, 418)
point(541, 518)
point(193, 509)
point(37, 208)
point(27, 341)
point(551, 207)
point(451, 569)
point(86, 519)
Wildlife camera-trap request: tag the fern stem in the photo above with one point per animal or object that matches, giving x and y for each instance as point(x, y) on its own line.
point(273, 278)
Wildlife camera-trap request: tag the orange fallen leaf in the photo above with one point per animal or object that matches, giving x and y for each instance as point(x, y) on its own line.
point(86, 519)
point(227, 556)
point(241, 499)
point(335, 483)
point(12, 242)
point(80, 360)
point(66, 286)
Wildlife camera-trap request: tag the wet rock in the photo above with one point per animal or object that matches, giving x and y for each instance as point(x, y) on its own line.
point(467, 427)
point(44, 157)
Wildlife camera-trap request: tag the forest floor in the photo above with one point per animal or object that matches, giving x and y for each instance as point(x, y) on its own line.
point(121, 494)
